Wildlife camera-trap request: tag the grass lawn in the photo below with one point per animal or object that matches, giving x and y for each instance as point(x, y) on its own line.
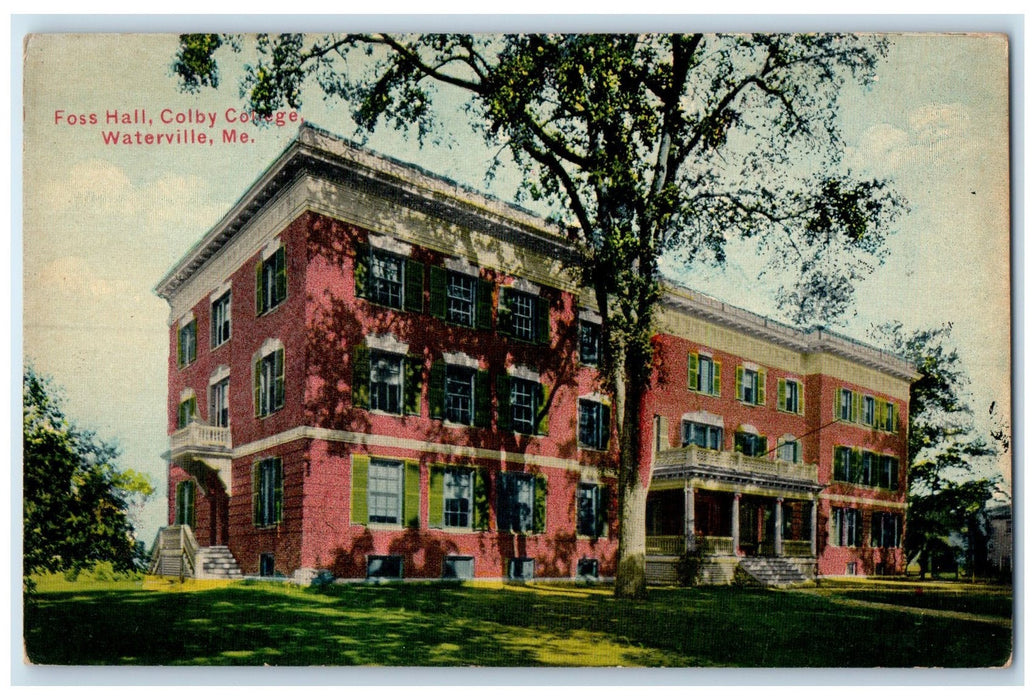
point(435, 624)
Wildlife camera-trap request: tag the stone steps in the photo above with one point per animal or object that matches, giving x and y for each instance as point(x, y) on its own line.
point(217, 562)
point(773, 571)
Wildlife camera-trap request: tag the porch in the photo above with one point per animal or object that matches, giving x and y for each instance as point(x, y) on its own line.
point(730, 507)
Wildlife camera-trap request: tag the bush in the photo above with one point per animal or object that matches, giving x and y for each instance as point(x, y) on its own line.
point(688, 568)
point(742, 579)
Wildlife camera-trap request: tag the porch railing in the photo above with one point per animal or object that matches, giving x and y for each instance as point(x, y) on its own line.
point(175, 552)
point(797, 548)
point(666, 544)
point(694, 456)
point(715, 545)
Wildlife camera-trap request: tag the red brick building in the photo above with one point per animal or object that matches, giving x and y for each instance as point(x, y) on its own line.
point(377, 372)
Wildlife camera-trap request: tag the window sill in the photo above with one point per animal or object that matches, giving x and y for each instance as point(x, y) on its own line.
point(588, 448)
point(272, 310)
point(271, 413)
point(382, 527)
point(217, 347)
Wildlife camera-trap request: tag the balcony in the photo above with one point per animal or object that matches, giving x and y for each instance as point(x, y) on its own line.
point(697, 461)
point(199, 449)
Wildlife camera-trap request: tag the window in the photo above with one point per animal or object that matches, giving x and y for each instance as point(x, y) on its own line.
point(591, 509)
point(386, 278)
point(842, 464)
point(267, 491)
point(187, 343)
point(185, 503)
point(588, 568)
point(219, 403)
point(594, 424)
point(524, 405)
point(271, 282)
point(869, 410)
point(459, 567)
point(789, 451)
point(521, 568)
point(460, 298)
point(889, 416)
point(384, 566)
point(870, 469)
point(266, 564)
point(845, 527)
point(703, 374)
point(885, 529)
point(269, 383)
point(749, 444)
point(846, 404)
point(221, 320)
point(751, 386)
point(524, 315)
point(186, 412)
point(459, 394)
point(521, 502)
point(456, 494)
point(888, 472)
point(386, 382)
point(702, 435)
point(789, 396)
point(384, 492)
point(589, 343)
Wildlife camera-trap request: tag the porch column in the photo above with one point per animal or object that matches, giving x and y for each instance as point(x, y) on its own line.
point(812, 542)
point(688, 510)
point(778, 525)
point(735, 527)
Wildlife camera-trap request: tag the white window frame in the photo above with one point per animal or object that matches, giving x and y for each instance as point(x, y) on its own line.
point(461, 298)
point(591, 425)
point(713, 435)
point(869, 408)
point(389, 489)
point(588, 501)
point(593, 330)
point(221, 328)
point(383, 289)
point(749, 383)
point(381, 385)
point(706, 385)
point(791, 397)
point(219, 403)
point(523, 315)
point(458, 487)
point(462, 378)
point(529, 392)
point(844, 411)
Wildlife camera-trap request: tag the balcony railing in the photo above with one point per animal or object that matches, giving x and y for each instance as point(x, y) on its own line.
point(666, 544)
point(715, 545)
point(694, 456)
point(797, 548)
point(200, 437)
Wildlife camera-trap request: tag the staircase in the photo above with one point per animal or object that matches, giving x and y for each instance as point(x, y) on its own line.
point(773, 571)
point(174, 552)
point(217, 562)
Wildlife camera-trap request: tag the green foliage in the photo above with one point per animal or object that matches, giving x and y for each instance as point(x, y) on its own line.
point(688, 568)
point(742, 579)
point(76, 500)
point(945, 497)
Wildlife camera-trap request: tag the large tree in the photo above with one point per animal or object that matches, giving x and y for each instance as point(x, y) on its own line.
point(946, 497)
point(641, 146)
point(76, 500)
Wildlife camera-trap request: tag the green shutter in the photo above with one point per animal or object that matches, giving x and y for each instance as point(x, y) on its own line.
point(413, 278)
point(179, 346)
point(760, 398)
point(437, 303)
point(691, 371)
point(482, 400)
point(256, 504)
point(880, 410)
point(740, 382)
point(437, 389)
point(436, 504)
point(837, 403)
point(539, 511)
point(855, 475)
point(605, 420)
point(278, 386)
point(603, 508)
point(543, 318)
point(781, 394)
point(411, 494)
point(361, 270)
point(856, 407)
point(481, 499)
point(278, 490)
point(259, 296)
point(504, 519)
point(413, 384)
point(361, 376)
point(894, 417)
point(257, 376)
point(543, 424)
point(484, 305)
point(801, 398)
point(503, 414)
point(281, 274)
point(360, 471)
point(716, 379)
point(503, 320)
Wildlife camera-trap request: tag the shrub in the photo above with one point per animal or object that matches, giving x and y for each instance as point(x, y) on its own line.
point(688, 568)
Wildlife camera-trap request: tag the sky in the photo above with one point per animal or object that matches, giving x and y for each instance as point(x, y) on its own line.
point(102, 224)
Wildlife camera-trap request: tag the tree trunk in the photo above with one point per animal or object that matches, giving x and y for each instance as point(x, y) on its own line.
point(631, 576)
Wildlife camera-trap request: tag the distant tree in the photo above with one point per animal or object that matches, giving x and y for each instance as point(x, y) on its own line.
point(945, 496)
point(75, 500)
point(641, 145)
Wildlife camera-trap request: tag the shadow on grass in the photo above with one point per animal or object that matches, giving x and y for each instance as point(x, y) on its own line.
point(435, 624)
